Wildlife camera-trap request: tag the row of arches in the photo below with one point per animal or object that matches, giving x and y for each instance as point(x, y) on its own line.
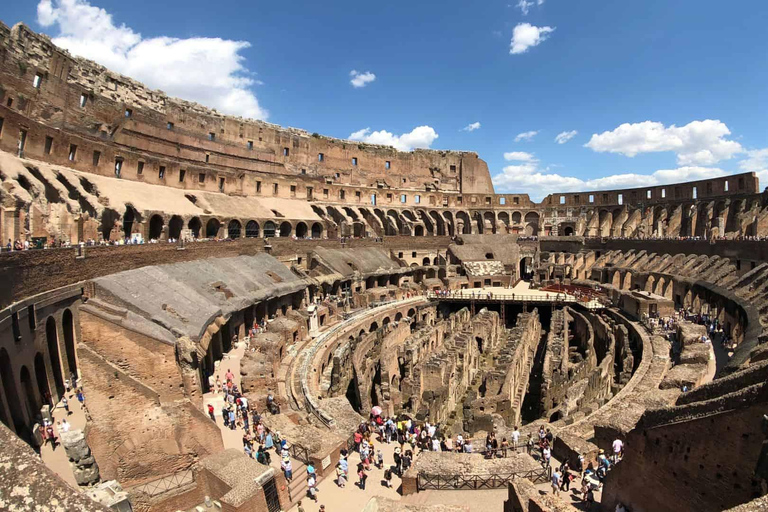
point(30, 384)
point(158, 229)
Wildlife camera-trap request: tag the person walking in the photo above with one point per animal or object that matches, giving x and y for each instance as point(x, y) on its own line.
point(211, 412)
point(555, 482)
point(361, 475)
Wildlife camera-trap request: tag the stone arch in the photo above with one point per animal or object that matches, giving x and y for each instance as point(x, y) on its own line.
point(52, 339)
point(531, 223)
point(517, 217)
point(252, 229)
point(11, 394)
point(68, 326)
point(426, 261)
point(270, 228)
point(285, 229)
point(616, 279)
point(466, 226)
point(156, 224)
point(397, 221)
point(317, 230)
point(504, 218)
point(627, 282)
point(175, 225)
point(398, 316)
point(386, 321)
point(650, 284)
point(568, 231)
point(212, 228)
point(480, 222)
point(234, 229)
point(108, 219)
point(418, 230)
point(195, 226)
point(373, 326)
point(411, 313)
point(301, 230)
point(129, 217)
point(489, 221)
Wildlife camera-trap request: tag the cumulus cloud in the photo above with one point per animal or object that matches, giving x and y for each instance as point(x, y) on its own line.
point(697, 143)
point(525, 5)
point(526, 136)
point(208, 70)
point(564, 137)
point(757, 162)
point(529, 178)
point(525, 36)
point(471, 127)
point(419, 137)
point(519, 156)
point(361, 79)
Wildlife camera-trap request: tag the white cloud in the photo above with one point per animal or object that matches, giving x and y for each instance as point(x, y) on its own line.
point(361, 79)
point(538, 182)
point(471, 127)
point(757, 162)
point(419, 137)
point(519, 156)
point(564, 137)
point(210, 71)
point(525, 36)
point(526, 5)
point(526, 136)
point(697, 143)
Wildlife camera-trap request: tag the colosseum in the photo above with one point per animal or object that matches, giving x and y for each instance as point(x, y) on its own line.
point(210, 313)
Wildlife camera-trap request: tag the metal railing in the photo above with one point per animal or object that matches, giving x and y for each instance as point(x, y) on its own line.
point(166, 483)
point(299, 453)
point(478, 481)
point(502, 296)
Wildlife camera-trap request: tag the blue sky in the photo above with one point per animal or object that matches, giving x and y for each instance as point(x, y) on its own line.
point(620, 74)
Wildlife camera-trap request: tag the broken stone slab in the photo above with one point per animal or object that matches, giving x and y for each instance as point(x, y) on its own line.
point(75, 445)
point(88, 475)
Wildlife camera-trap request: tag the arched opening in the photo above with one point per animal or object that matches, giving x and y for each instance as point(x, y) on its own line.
point(269, 229)
point(155, 227)
point(411, 313)
point(234, 229)
point(385, 321)
point(11, 395)
point(531, 224)
point(425, 262)
point(358, 230)
point(53, 353)
point(129, 217)
point(195, 226)
point(212, 228)
point(418, 231)
point(68, 325)
point(398, 317)
point(301, 230)
point(526, 272)
point(109, 218)
point(175, 225)
point(479, 342)
point(317, 230)
point(285, 229)
point(373, 327)
point(568, 231)
point(31, 401)
point(42, 379)
point(466, 225)
point(252, 229)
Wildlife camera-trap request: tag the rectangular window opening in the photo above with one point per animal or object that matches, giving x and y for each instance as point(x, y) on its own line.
point(695, 193)
point(648, 194)
point(211, 136)
point(72, 152)
point(169, 125)
point(293, 190)
point(31, 317)
point(118, 166)
point(286, 151)
point(140, 168)
point(83, 100)
point(320, 157)
point(207, 158)
point(250, 145)
point(417, 199)
point(128, 112)
point(562, 199)
point(221, 184)
point(258, 187)
point(621, 198)
point(182, 175)
point(403, 198)
point(96, 157)
point(201, 177)
point(387, 165)
point(354, 160)
point(725, 186)
point(48, 145)
point(342, 194)
point(663, 193)
point(161, 172)
point(275, 189)
point(502, 200)
point(37, 81)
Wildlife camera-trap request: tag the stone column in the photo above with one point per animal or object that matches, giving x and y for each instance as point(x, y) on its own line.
point(79, 453)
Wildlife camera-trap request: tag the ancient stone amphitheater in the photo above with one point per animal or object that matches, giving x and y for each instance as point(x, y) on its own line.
point(161, 232)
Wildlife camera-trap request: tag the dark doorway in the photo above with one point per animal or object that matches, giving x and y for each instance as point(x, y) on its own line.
point(68, 326)
point(42, 379)
point(155, 227)
point(53, 353)
point(175, 225)
point(11, 395)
